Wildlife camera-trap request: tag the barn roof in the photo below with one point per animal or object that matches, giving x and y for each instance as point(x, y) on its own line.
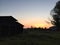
point(5, 18)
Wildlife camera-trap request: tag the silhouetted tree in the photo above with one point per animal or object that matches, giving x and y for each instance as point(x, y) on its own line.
point(56, 15)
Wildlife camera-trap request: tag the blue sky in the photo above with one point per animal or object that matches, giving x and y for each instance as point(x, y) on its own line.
point(27, 11)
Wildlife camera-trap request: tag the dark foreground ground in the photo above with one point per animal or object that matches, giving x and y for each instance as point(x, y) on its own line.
point(33, 38)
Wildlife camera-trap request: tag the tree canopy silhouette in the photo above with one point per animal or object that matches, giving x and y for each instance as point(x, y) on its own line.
point(56, 15)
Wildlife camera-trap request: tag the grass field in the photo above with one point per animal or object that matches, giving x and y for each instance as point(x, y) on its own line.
point(33, 38)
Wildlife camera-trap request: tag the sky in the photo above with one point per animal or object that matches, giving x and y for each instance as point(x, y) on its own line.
point(28, 12)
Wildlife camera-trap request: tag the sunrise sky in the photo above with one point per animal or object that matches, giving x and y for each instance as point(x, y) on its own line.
point(28, 12)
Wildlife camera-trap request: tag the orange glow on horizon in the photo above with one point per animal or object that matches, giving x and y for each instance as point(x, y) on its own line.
point(38, 25)
point(35, 23)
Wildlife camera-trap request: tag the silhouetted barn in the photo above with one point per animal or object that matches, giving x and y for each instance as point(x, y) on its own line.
point(9, 26)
